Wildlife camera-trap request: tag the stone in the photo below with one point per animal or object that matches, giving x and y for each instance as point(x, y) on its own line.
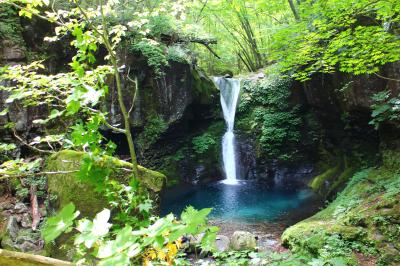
point(222, 243)
point(12, 227)
point(8, 244)
point(26, 220)
point(261, 75)
point(28, 246)
point(242, 240)
point(20, 208)
point(267, 242)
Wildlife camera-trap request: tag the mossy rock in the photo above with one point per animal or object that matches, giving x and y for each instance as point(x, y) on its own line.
point(318, 182)
point(205, 88)
point(363, 217)
point(68, 188)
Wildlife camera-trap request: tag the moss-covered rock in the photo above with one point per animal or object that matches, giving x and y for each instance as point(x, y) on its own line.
point(364, 218)
point(68, 188)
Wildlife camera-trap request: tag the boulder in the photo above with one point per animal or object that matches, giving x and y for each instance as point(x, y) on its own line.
point(87, 200)
point(242, 240)
point(222, 243)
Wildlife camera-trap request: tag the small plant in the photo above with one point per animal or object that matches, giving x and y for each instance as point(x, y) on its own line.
point(154, 128)
point(98, 240)
point(386, 108)
point(203, 143)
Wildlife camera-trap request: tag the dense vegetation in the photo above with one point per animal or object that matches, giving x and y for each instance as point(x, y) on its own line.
point(290, 44)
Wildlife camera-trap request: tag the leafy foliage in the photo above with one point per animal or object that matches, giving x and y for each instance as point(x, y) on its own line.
point(385, 109)
point(155, 127)
point(202, 143)
point(159, 242)
point(274, 122)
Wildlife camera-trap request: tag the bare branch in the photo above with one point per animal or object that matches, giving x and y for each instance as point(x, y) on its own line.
point(382, 77)
point(30, 146)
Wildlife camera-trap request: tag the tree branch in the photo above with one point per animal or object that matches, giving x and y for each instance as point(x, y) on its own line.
point(382, 77)
point(30, 146)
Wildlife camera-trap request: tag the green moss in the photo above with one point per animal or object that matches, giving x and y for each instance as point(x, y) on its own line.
point(204, 88)
point(154, 128)
point(318, 182)
point(335, 176)
point(10, 26)
point(391, 160)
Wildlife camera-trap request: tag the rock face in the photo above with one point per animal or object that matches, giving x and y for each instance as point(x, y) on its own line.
point(336, 135)
point(68, 189)
point(241, 240)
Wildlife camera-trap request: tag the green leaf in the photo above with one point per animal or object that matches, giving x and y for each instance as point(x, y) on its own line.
point(92, 231)
point(60, 223)
point(4, 112)
point(145, 206)
point(73, 107)
point(124, 242)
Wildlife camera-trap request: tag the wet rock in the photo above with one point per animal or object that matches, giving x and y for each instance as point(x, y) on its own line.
point(222, 243)
point(20, 208)
point(242, 240)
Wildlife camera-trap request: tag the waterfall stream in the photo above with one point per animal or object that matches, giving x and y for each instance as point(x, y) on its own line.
point(229, 90)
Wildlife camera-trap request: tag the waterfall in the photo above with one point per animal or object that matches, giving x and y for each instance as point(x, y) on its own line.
point(229, 90)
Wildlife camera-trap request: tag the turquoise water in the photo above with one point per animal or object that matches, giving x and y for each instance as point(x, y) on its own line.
point(248, 201)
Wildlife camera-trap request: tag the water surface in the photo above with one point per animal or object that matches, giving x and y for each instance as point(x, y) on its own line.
point(248, 201)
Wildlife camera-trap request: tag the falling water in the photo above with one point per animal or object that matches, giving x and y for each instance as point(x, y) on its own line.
point(229, 89)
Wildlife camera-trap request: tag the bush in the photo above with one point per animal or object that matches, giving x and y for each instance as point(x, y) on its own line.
point(203, 143)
